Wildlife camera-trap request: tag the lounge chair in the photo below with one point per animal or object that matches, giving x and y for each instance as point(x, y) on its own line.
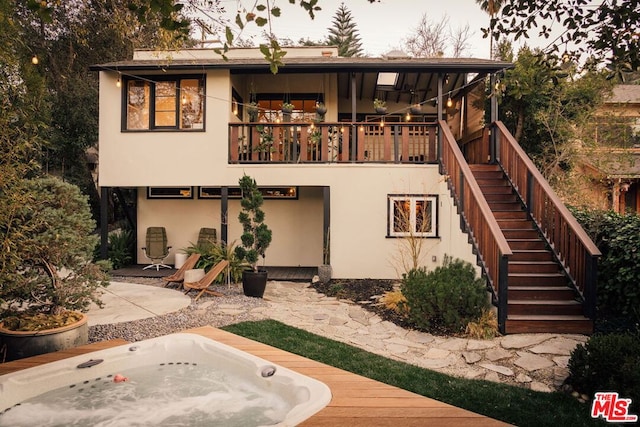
point(203, 284)
point(178, 276)
point(156, 249)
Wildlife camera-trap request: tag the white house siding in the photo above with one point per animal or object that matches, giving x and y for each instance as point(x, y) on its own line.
point(359, 246)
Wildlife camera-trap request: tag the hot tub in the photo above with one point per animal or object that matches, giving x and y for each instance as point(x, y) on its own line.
point(178, 379)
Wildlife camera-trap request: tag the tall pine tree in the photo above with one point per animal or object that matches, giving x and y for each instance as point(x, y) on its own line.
point(344, 33)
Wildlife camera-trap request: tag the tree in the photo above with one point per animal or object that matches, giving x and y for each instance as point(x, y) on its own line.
point(492, 7)
point(607, 31)
point(344, 33)
point(546, 103)
point(428, 40)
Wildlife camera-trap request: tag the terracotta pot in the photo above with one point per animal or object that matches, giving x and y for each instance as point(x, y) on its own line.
point(21, 344)
point(254, 283)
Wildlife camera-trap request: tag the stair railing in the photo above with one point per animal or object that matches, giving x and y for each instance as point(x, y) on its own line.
point(568, 240)
point(491, 245)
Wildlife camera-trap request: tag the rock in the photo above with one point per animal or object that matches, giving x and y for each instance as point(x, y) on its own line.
point(498, 354)
point(523, 340)
point(471, 357)
point(560, 346)
point(497, 368)
point(522, 378)
point(538, 386)
point(531, 362)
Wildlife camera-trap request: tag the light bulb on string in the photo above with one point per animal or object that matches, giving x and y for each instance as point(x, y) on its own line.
point(449, 102)
point(35, 60)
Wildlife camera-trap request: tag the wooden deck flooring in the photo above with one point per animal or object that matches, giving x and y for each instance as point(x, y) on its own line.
point(356, 400)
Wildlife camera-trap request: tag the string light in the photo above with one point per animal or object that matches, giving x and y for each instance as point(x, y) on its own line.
point(118, 82)
point(449, 102)
point(35, 60)
point(408, 116)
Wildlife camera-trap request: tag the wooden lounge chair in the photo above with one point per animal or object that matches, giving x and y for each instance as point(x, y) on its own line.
point(178, 276)
point(203, 284)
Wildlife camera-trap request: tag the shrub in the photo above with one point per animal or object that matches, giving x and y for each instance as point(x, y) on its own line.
point(608, 363)
point(485, 328)
point(447, 298)
point(618, 238)
point(120, 248)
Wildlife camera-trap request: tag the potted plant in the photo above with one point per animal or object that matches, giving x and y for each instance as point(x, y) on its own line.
point(416, 108)
point(321, 109)
point(287, 108)
point(46, 272)
point(380, 106)
point(252, 111)
point(255, 239)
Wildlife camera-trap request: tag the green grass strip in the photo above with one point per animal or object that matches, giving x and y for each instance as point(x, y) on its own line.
point(514, 405)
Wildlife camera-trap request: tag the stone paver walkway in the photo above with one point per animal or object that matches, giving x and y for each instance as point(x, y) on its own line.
point(535, 361)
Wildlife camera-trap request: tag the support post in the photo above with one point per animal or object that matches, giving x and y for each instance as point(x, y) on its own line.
point(326, 224)
point(503, 290)
point(224, 214)
point(104, 222)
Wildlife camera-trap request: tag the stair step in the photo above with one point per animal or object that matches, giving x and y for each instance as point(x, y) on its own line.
point(537, 279)
point(492, 182)
point(545, 307)
point(497, 206)
point(540, 293)
point(484, 167)
point(532, 255)
point(521, 324)
point(496, 189)
point(527, 244)
point(521, 234)
point(500, 197)
point(519, 214)
point(488, 174)
point(518, 224)
point(533, 267)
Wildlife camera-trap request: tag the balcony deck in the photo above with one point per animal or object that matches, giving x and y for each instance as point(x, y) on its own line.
point(379, 142)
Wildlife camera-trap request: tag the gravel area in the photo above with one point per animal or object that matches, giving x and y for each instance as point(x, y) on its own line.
point(205, 312)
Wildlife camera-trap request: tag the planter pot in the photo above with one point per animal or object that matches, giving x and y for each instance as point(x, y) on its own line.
point(21, 344)
point(324, 273)
point(321, 110)
point(416, 109)
point(254, 283)
point(381, 110)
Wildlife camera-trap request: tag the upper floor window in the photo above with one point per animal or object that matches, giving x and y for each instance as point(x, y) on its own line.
point(167, 103)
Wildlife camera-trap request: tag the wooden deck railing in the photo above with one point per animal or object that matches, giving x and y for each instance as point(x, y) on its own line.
point(492, 247)
point(569, 241)
point(332, 142)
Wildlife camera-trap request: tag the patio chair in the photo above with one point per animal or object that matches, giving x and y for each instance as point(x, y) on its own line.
point(203, 284)
point(156, 249)
point(178, 276)
point(207, 237)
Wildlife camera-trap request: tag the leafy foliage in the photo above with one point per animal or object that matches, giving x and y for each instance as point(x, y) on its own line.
point(121, 248)
point(256, 236)
point(618, 238)
point(608, 363)
point(448, 297)
point(211, 254)
point(49, 236)
point(606, 32)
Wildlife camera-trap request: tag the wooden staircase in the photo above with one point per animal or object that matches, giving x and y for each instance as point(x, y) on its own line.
point(539, 296)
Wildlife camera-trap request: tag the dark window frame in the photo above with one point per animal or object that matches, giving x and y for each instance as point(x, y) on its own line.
point(151, 80)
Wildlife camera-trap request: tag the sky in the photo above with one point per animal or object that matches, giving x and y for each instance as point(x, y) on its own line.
point(383, 25)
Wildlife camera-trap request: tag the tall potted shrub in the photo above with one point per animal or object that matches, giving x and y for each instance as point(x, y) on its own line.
point(255, 239)
point(47, 278)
